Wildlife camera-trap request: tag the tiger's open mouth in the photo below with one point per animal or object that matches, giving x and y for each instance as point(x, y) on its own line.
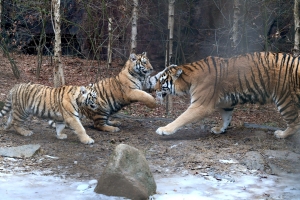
point(92, 104)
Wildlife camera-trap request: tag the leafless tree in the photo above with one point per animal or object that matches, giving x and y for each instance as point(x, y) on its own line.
point(0, 15)
point(297, 28)
point(41, 43)
point(109, 50)
point(134, 25)
point(235, 27)
point(58, 74)
point(4, 48)
point(169, 51)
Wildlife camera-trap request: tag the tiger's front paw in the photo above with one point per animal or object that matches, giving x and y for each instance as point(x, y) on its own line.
point(151, 105)
point(61, 136)
point(217, 130)
point(280, 134)
point(27, 133)
point(87, 140)
point(23, 131)
point(161, 131)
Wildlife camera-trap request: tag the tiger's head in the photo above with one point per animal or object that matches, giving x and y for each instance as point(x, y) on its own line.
point(166, 82)
point(139, 64)
point(88, 96)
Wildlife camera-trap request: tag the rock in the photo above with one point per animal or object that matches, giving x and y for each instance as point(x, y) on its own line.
point(282, 154)
point(275, 169)
point(282, 161)
point(254, 161)
point(295, 139)
point(20, 151)
point(127, 174)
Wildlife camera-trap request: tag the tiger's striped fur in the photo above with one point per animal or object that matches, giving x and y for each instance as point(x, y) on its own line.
point(116, 92)
point(218, 83)
point(59, 104)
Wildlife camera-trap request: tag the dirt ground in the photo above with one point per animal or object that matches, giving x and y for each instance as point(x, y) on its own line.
point(192, 150)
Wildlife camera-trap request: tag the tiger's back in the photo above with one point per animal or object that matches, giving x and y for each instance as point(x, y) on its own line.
point(60, 104)
point(218, 83)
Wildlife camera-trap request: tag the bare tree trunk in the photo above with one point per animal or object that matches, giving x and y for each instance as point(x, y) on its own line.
point(235, 27)
point(109, 51)
point(265, 26)
point(58, 73)
point(171, 31)
point(245, 32)
point(297, 28)
point(169, 49)
point(134, 26)
point(0, 16)
point(40, 46)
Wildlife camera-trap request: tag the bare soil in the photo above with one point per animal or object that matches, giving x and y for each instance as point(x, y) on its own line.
point(192, 150)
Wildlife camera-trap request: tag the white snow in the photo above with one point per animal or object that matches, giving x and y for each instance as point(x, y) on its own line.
point(229, 161)
point(34, 185)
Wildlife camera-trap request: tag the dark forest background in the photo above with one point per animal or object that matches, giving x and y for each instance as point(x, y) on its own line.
point(202, 28)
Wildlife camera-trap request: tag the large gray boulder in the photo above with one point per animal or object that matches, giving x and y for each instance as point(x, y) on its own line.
point(254, 161)
point(127, 174)
point(25, 151)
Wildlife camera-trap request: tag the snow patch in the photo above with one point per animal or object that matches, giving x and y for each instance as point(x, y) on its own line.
point(38, 186)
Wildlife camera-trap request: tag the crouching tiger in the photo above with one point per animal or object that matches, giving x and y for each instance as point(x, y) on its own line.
point(218, 83)
point(116, 92)
point(59, 104)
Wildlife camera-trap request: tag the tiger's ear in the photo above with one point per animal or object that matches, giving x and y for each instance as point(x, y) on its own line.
point(83, 90)
point(144, 54)
point(132, 57)
point(92, 85)
point(177, 74)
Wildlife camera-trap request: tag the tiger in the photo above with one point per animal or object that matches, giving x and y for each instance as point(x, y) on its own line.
point(60, 104)
point(114, 93)
point(216, 83)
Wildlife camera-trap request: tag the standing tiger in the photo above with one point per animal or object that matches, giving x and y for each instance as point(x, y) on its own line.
point(59, 104)
point(116, 92)
point(218, 83)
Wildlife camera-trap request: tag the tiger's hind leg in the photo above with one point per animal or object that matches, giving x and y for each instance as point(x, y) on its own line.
point(289, 112)
point(107, 128)
point(103, 124)
point(16, 123)
point(59, 127)
point(226, 114)
point(9, 122)
point(113, 123)
point(22, 131)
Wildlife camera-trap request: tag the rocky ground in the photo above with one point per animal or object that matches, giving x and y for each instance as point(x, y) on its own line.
point(248, 147)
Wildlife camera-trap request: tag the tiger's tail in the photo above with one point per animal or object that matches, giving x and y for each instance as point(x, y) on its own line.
point(52, 123)
point(6, 108)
